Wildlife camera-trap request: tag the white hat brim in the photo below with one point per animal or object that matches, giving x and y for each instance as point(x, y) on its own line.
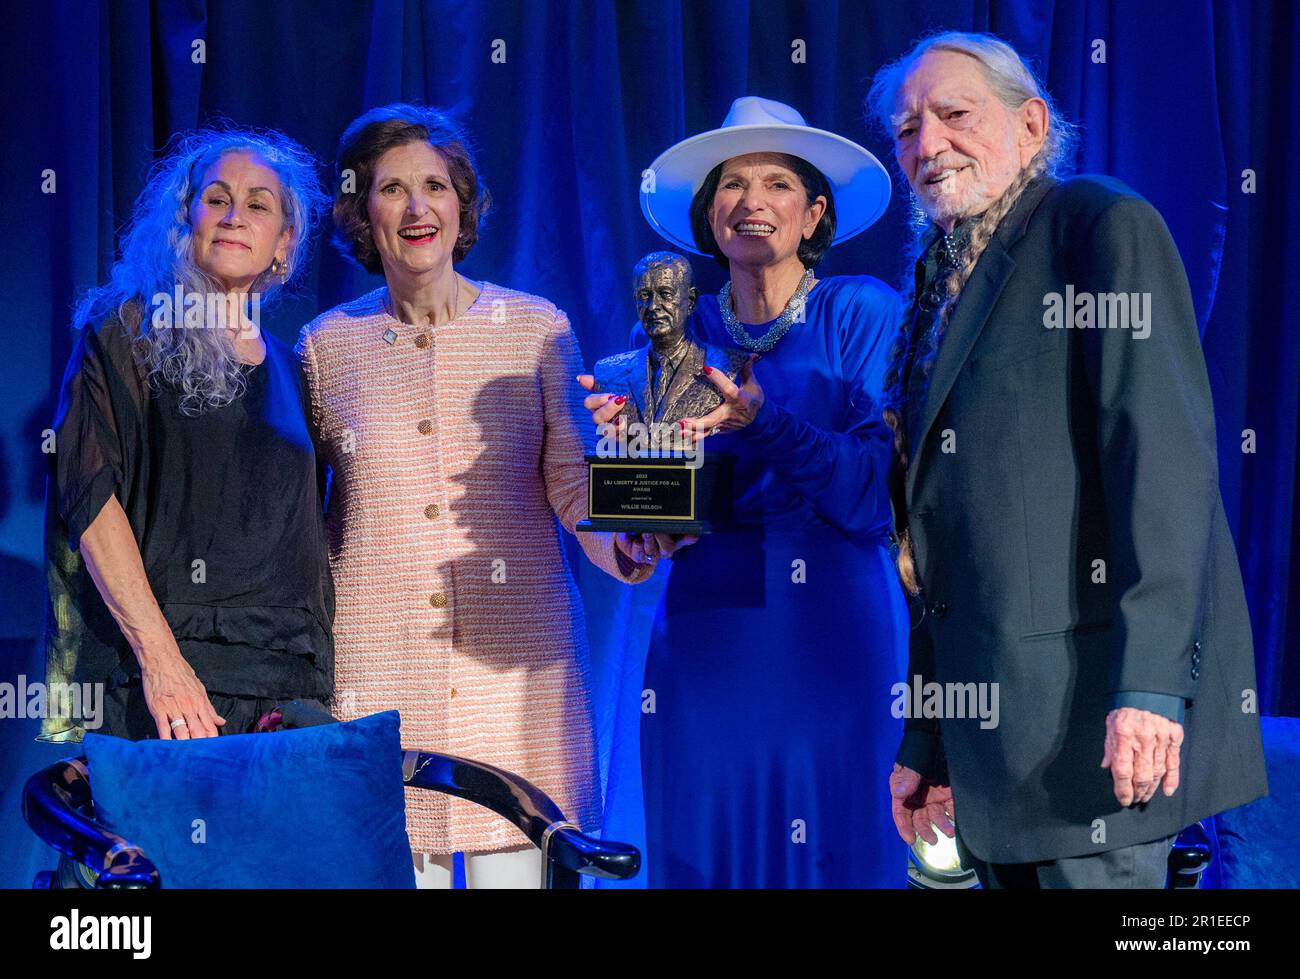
point(860, 183)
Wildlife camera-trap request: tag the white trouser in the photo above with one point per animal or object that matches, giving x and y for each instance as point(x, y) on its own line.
point(518, 869)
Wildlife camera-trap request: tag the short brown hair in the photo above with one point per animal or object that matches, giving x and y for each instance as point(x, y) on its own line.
point(373, 134)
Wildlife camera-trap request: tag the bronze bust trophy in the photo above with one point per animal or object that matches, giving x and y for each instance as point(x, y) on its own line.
point(648, 478)
point(664, 382)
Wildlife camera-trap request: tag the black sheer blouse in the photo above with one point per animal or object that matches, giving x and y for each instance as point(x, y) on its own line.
point(226, 508)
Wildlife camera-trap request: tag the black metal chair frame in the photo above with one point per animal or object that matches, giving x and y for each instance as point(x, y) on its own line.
point(60, 809)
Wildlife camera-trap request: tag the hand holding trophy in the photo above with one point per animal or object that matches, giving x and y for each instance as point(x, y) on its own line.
point(648, 474)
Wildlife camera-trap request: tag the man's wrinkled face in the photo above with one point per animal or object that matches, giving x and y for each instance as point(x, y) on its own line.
point(664, 299)
point(958, 144)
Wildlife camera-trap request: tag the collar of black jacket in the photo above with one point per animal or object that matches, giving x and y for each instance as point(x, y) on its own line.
point(1012, 228)
point(969, 315)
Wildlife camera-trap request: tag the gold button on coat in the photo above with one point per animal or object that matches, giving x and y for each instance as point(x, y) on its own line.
point(438, 600)
point(425, 426)
point(432, 510)
point(422, 340)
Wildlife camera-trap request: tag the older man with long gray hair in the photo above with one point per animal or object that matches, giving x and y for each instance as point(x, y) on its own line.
point(1056, 492)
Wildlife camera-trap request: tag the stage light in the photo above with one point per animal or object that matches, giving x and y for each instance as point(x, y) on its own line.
point(938, 866)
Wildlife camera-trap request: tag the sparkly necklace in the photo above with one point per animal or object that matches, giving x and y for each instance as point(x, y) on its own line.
point(778, 329)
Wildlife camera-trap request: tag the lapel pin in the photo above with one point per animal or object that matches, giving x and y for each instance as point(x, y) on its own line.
point(390, 336)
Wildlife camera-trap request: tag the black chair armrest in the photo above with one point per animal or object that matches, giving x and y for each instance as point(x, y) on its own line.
point(58, 806)
point(566, 850)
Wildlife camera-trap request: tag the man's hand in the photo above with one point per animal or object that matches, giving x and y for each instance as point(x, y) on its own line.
point(1141, 749)
point(917, 803)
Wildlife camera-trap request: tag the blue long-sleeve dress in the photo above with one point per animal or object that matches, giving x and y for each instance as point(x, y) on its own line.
point(766, 729)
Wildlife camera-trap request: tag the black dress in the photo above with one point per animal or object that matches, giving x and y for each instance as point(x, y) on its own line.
point(226, 509)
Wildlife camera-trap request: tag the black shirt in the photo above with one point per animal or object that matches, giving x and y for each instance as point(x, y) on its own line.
point(225, 507)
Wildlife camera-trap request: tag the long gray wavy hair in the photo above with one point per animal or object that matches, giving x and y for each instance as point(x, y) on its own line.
point(157, 256)
point(1013, 82)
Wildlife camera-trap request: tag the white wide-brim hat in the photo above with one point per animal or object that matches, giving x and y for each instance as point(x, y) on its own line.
point(860, 183)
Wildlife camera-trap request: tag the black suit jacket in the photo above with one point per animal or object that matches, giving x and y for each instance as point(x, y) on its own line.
point(1044, 451)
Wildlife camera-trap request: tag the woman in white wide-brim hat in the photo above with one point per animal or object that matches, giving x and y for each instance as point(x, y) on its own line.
point(781, 634)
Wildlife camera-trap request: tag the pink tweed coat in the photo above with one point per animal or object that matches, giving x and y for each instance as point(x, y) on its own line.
point(454, 448)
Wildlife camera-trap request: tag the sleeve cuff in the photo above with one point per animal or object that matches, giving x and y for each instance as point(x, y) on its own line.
point(922, 752)
point(1165, 704)
point(82, 514)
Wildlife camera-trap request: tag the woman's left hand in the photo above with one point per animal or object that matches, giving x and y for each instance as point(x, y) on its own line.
point(740, 403)
point(646, 548)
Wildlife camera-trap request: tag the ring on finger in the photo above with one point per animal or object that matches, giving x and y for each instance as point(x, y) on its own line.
point(179, 722)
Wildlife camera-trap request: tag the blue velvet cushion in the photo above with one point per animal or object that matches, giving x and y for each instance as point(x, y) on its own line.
point(311, 807)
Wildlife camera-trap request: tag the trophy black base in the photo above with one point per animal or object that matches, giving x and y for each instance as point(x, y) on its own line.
point(655, 493)
point(645, 526)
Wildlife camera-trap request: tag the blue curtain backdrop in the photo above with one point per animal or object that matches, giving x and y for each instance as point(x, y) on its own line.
point(577, 100)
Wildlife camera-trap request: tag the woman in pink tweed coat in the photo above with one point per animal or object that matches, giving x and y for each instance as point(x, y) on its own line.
point(445, 409)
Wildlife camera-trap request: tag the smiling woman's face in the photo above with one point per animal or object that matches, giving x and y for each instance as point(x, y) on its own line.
point(761, 211)
point(414, 211)
point(237, 220)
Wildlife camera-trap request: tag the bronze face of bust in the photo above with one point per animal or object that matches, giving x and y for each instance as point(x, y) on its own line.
point(665, 297)
point(665, 382)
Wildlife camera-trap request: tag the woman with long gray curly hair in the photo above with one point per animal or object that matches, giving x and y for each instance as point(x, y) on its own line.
point(187, 559)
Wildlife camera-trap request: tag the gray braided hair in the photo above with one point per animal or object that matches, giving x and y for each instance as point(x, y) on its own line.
point(953, 284)
point(1012, 82)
